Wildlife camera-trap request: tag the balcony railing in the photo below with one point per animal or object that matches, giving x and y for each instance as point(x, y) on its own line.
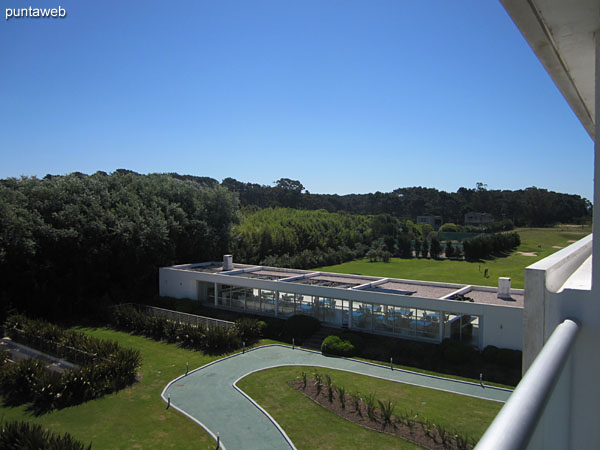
point(516, 423)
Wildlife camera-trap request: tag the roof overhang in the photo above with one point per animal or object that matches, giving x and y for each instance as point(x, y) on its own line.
point(562, 35)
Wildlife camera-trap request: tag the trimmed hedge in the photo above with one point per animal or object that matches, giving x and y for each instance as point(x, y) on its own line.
point(28, 436)
point(485, 246)
point(301, 327)
point(450, 357)
point(334, 345)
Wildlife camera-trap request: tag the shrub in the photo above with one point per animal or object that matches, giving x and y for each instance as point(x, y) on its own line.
point(27, 436)
point(341, 391)
point(333, 345)
point(457, 352)
point(387, 409)
point(490, 354)
point(301, 327)
point(356, 401)
point(249, 329)
point(369, 400)
point(509, 358)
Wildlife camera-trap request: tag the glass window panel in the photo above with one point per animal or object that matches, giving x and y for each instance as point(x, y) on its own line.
point(253, 301)
point(267, 301)
point(286, 304)
point(238, 297)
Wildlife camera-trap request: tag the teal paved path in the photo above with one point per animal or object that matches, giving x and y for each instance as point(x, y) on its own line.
point(208, 394)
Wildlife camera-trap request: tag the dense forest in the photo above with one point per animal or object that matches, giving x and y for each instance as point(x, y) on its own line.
point(68, 243)
point(525, 207)
point(67, 239)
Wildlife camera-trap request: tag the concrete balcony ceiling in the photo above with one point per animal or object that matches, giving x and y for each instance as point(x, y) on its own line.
point(561, 33)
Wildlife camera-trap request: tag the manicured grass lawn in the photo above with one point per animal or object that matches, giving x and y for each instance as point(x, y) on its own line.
point(311, 426)
point(512, 266)
point(136, 417)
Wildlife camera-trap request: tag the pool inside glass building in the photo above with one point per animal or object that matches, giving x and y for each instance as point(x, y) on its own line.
point(419, 310)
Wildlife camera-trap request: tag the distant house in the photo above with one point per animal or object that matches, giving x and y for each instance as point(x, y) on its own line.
point(434, 221)
point(478, 219)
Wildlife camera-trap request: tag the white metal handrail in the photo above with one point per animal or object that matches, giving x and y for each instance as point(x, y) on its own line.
point(182, 317)
point(517, 420)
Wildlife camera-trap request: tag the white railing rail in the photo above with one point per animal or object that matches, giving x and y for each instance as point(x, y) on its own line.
point(516, 422)
point(181, 317)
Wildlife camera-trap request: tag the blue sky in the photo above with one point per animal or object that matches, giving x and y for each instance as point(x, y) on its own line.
point(345, 96)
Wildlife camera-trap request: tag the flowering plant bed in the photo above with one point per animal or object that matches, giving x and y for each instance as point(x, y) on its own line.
point(369, 412)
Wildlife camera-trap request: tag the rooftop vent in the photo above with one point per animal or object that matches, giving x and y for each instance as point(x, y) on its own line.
point(504, 287)
point(227, 262)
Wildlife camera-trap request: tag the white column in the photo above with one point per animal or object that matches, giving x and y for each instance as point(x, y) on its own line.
point(596, 227)
point(350, 315)
point(216, 292)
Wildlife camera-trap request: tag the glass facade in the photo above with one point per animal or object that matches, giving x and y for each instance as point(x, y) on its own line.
point(394, 320)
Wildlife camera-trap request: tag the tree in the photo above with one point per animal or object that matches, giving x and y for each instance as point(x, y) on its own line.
point(449, 250)
point(372, 255)
point(418, 246)
point(435, 247)
point(425, 248)
point(451, 227)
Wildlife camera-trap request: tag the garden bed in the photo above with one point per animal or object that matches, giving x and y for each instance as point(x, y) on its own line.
point(406, 425)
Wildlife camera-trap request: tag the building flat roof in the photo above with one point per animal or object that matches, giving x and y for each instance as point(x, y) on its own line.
point(423, 289)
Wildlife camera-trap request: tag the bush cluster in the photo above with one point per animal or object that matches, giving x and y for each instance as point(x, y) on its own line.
point(334, 345)
point(212, 340)
point(301, 327)
point(485, 246)
point(29, 436)
point(104, 367)
point(451, 356)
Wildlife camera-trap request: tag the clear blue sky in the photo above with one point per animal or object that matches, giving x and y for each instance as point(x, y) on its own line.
point(345, 96)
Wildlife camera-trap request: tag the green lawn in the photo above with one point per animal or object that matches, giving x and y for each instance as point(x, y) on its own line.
point(512, 266)
point(297, 414)
point(136, 417)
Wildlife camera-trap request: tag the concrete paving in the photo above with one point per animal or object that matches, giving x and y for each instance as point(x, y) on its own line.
point(208, 394)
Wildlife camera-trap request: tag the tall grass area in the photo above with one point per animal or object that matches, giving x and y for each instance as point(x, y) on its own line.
point(297, 414)
point(541, 241)
point(134, 417)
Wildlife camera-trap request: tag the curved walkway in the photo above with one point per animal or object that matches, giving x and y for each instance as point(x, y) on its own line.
point(208, 395)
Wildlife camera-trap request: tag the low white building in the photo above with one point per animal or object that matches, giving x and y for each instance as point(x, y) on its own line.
point(478, 219)
point(435, 221)
point(419, 310)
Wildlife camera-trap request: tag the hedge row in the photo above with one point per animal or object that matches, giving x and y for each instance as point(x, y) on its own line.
point(29, 436)
point(105, 367)
point(484, 246)
point(451, 357)
point(212, 340)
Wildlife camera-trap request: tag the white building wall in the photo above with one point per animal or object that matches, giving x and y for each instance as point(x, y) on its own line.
point(501, 326)
point(177, 284)
point(559, 287)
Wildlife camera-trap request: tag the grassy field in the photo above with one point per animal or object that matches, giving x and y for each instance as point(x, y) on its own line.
point(541, 241)
point(136, 417)
point(297, 414)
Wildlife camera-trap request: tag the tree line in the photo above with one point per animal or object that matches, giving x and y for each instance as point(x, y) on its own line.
point(524, 207)
point(306, 239)
point(70, 243)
